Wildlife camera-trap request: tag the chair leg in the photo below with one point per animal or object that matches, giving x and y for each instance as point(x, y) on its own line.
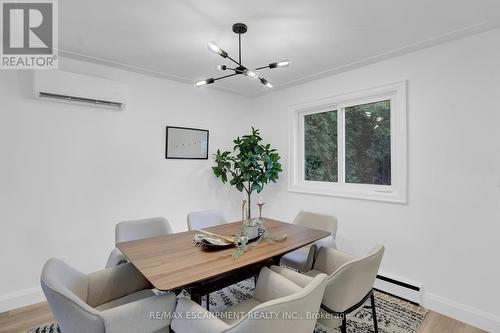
point(343, 328)
point(374, 312)
point(208, 302)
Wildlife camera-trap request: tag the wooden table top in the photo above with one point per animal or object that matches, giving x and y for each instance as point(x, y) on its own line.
point(172, 261)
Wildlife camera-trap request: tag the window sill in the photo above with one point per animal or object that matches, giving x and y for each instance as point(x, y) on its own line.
point(385, 194)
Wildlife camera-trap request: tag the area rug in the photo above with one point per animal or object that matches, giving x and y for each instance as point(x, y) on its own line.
point(393, 314)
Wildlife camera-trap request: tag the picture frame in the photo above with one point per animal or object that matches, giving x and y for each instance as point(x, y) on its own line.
point(186, 143)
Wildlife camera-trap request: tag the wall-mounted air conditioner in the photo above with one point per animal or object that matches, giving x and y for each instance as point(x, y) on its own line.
point(60, 86)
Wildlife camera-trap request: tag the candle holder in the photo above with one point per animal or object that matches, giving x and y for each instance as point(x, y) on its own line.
point(243, 217)
point(260, 204)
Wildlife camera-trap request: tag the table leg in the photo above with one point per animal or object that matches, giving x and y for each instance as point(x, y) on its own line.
point(196, 296)
point(277, 259)
point(205, 288)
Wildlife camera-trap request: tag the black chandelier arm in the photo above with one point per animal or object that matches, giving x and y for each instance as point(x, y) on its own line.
point(237, 63)
point(282, 63)
point(265, 82)
point(225, 76)
point(233, 69)
point(261, 67)
point(238, 70)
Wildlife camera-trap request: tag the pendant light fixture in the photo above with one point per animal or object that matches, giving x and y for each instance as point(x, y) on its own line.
point(239, 69)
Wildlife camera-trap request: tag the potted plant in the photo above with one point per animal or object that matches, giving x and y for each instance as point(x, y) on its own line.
point(250, 166)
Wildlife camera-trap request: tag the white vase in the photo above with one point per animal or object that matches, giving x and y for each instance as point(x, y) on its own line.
point(252, 232)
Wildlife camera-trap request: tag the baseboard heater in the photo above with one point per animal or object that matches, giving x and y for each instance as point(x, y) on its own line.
point(402, 288)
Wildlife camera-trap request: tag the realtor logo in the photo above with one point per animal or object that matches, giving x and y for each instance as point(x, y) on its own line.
point(29, 34)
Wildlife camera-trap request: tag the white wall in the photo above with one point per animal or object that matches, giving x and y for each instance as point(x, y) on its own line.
point(69, 173)
point(447, 236)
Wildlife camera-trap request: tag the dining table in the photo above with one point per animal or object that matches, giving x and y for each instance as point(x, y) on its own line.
point(173, 263)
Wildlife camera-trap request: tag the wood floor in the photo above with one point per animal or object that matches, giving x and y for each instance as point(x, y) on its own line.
point(437, 323)
point(19, 320)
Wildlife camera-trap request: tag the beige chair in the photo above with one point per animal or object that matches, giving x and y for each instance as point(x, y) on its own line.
point(275, 298)
point(117, 299)
point(136, 229)
point(303, 258)
point(350, 283)
point(204, 219)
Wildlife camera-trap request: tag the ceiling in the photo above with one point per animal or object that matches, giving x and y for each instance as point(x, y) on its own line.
point(168, 38)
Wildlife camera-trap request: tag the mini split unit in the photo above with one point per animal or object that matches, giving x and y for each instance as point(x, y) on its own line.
point(66, 87)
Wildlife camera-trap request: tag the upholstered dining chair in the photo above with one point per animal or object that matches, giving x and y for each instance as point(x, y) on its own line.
point(204, 219)
point(350, 283)
point(303, 258)
point(136, 229)
point(275, 298)
point(113, 300)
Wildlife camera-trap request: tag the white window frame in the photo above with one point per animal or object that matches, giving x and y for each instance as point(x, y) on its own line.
point(397, 191)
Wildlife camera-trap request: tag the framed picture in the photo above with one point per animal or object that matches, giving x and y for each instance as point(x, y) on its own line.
point(186, 143)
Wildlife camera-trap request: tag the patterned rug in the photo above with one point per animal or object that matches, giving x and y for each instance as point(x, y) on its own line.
point(393, 314)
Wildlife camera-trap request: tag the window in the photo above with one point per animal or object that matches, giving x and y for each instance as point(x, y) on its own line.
point(368, 143)
point(352, 145)
point(320, 147)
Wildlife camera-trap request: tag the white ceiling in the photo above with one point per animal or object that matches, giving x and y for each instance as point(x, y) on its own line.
point(168, 38)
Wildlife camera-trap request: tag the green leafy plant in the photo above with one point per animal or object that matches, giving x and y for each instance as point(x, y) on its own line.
point(250, 166)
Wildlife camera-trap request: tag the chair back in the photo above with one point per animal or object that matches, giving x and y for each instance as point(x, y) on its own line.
point(204, 219)
point(139, 229)
point(352, 281)
point(66, 291)
point(281, 315)
point(317, 221)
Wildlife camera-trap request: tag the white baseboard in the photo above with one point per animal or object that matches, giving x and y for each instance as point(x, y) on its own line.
point(21, 298)
point(465, 313)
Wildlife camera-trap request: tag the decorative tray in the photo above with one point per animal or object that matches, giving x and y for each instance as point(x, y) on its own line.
point(213, 241)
